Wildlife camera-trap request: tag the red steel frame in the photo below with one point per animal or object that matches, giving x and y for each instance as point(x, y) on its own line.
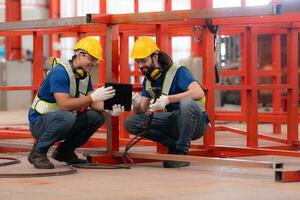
point(248, 29)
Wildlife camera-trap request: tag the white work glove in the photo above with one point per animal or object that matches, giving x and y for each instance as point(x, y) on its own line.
point(117, 109)
point(160, 103)
point(103, 93)
point(136, 98)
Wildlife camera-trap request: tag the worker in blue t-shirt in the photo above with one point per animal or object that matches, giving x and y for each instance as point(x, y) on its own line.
point(66, 108)
point(178, 94)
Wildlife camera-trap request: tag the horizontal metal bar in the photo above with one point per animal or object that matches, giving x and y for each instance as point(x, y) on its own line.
point(206, 160)
point(287, 176)
point(265, 151)
point(186, 15)
point(44, 23)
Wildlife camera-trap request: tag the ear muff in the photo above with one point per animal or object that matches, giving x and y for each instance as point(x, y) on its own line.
point(156, 73)
point(80, 73)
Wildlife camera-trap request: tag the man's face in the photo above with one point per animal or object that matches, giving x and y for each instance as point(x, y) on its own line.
point(87, 62)
point(145, 64)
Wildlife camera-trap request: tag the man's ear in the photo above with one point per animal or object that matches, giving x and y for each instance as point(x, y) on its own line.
point(155, 58)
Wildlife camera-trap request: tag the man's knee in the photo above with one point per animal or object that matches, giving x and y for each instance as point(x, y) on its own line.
point(68, 118)
point(188, 105)
point(131, 125)
point(96, 118)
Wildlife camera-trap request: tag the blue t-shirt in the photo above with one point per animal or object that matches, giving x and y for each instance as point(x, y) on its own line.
point(56, 81)
point(181, 81)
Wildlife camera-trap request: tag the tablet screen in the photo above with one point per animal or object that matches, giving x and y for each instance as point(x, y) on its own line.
point(123, 96)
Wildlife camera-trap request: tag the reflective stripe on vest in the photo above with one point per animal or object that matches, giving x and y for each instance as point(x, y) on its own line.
point(170, 75)
point(43, 107)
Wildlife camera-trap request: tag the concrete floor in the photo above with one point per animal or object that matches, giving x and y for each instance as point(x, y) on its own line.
point(149, 181)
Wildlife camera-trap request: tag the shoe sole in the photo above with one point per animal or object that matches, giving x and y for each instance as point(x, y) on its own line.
point(174, 166)
point(39, 167)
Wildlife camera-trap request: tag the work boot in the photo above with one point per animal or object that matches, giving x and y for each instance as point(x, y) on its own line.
point(40, 160)
point(175, 164)
point(69, 157)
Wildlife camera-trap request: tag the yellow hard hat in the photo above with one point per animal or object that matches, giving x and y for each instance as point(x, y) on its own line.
point(143, 47)
point(91, 46)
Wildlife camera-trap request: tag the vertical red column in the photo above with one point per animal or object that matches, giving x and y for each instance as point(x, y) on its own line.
point(276, 63)
point(112, 74)
point(168, 5)
point(54, 12)
point(252, 97)
point(197, 47)
point(124, 75)
point(136, 6)
point(37, 61)
point(13, 43)
point(102, 64)
point(244, 78)
point(209, 83)
point(292, 79)
point(162, 42)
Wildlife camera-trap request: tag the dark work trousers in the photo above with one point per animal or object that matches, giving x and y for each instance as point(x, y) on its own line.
point(177, 128)
point(74, 128)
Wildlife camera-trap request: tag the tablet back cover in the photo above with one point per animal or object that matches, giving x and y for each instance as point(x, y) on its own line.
point(123, 96)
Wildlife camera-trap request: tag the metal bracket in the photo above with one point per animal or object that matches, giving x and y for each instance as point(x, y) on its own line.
point(197, 39)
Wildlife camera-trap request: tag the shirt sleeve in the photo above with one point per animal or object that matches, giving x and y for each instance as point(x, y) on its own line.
point(183, 78)
point(59, 80)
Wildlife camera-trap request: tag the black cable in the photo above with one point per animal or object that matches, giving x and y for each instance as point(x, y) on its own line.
point(14, 161)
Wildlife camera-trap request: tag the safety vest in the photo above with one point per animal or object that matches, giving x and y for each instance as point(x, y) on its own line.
point(168, 83)
point(44, 107)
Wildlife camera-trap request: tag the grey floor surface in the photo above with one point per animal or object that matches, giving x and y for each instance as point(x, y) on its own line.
point(151, 181)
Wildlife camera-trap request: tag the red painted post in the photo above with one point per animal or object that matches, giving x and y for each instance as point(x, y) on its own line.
point(112, 74)
point(276, 63)
point(209, 83)
point(292, 79)
point(102, 64)
point(168, 5)
point(136, 6)
point(124, 75)
point(162, 42)
point(252, 96)
point(13, 43)
point(102, 5)
point(38, 60)
point(244, 78)
point(54, 12)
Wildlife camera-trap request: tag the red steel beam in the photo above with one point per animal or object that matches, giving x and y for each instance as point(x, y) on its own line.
point(282, 18)
point(13, 43)
point(292, 78)
point(37, 60)
point(54, 13)
point(252, 97)
point(209, 82)
point(284, 176)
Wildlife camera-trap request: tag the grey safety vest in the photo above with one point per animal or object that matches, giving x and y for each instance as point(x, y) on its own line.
point(44, 107)
point(168, 83)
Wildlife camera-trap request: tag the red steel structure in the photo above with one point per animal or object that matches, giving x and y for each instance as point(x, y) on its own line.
point(245, 22)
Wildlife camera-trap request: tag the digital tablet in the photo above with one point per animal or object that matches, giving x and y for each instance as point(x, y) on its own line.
point(123, 96)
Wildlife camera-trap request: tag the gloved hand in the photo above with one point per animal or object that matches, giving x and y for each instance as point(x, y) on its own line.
point(136, 98)
point(160, 103)
point(117, 110)
point(103, 93)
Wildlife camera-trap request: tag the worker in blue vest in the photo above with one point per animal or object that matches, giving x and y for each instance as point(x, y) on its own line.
point(181, 99)
point(66, 108)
